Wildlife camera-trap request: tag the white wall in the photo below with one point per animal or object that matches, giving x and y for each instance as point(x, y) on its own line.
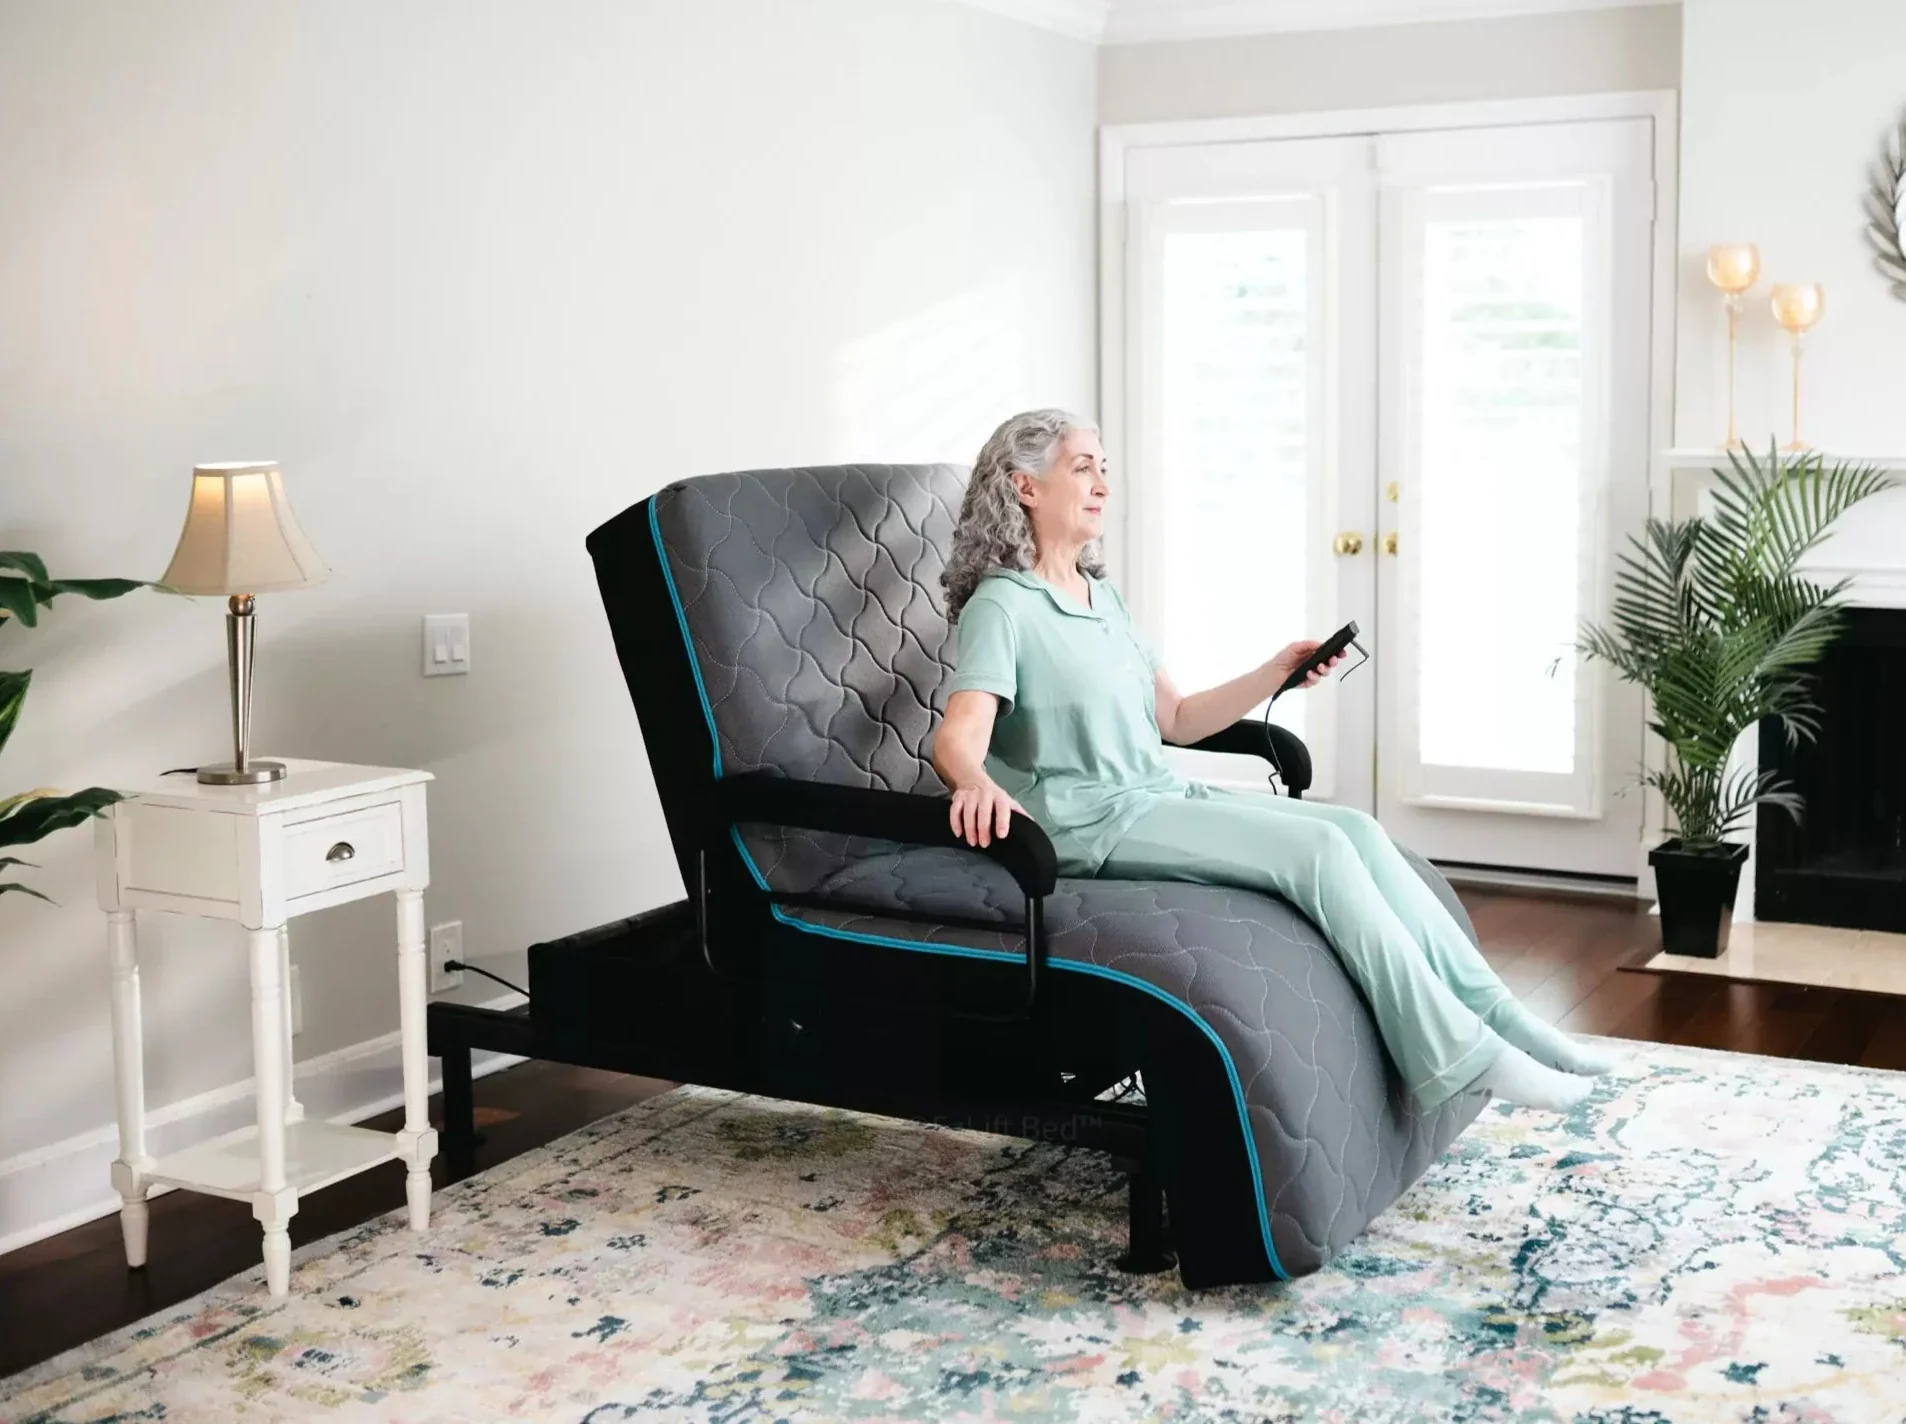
point(1524, 57)
point(480, 275)
point(1784, 105)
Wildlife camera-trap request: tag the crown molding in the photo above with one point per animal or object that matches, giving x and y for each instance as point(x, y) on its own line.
point(1079, 19)
point(1140, 21)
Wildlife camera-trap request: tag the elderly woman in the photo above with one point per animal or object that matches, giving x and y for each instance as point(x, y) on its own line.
point(1059, 709)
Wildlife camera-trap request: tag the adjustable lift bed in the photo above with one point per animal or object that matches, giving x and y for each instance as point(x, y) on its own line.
point(785, 643)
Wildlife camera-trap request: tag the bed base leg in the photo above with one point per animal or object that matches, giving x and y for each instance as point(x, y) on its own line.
point(460, 1135)
point(1147, 1251)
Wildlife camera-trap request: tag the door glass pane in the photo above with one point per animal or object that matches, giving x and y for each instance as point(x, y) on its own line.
point(1236, 392)
point(1500, 498)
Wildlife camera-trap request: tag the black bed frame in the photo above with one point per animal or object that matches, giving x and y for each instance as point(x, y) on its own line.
point(644, 996)
point(576, 982)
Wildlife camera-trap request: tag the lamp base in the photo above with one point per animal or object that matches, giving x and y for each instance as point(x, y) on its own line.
point(256, 773)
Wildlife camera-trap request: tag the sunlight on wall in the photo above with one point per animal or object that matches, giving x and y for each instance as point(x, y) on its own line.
point(933, 385)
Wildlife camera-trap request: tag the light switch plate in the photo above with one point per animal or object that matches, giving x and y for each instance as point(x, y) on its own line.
point(446, 644)
point(446, 942)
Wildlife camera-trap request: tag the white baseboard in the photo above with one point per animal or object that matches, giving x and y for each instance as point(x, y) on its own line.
point(1489, 877)
point(65, 1184)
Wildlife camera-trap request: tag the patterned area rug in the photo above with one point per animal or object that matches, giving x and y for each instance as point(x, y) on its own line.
point(1712, 1237)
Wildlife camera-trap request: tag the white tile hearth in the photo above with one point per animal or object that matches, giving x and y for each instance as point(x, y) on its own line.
point(1770, 952)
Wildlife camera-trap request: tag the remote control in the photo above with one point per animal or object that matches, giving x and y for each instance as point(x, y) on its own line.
point(1327, 650)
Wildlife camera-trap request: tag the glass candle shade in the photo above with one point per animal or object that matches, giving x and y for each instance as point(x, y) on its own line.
point(1733, 267)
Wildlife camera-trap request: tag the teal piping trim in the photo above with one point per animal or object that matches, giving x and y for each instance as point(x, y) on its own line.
point(960, 951)
point(1075, 966)
point(760, 880)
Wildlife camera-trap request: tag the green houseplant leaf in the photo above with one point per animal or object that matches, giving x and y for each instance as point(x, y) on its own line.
point(7, 862)
point(17, 598)
point(90, 588)
point(1711, 616)
point(13, 687)
point(32, 565)
point(39, 814)
point(26, 587)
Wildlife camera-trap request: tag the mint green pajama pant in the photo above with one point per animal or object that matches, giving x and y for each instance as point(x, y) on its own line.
point(1433, 995)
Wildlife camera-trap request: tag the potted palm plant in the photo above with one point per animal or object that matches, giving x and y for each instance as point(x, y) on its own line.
point(1712, 617)
point(29, 816)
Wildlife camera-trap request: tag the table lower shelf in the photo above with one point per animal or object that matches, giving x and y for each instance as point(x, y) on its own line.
point(316, 1154)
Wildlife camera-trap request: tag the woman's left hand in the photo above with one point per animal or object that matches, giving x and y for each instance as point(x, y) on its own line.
point(1295, 656)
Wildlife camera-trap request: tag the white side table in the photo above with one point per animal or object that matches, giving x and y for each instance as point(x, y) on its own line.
point(260, 855)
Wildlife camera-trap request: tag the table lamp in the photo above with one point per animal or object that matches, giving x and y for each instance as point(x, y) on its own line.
point(241, 539)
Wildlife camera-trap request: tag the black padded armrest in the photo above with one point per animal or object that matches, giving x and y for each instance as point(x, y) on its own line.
point(1281, 747)
point(760, 796)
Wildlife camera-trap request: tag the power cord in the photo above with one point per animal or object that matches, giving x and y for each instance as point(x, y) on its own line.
point(1277, 767)
point(459, 964)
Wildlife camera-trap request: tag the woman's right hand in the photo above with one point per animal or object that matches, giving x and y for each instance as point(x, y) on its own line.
point(982, 810)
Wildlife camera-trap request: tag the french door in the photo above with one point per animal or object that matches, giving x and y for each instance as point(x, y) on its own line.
point(1402, 378)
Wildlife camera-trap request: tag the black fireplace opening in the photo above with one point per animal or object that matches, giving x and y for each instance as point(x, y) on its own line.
point(1845, 862)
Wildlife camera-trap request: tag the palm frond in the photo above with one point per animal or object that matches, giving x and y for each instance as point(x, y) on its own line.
point(1748, 788)
point(1768, 514)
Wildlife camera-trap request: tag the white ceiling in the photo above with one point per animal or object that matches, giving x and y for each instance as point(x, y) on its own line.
point(1129, 21)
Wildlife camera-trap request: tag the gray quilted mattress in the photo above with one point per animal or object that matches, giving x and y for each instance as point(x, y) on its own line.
point(1337, 1136)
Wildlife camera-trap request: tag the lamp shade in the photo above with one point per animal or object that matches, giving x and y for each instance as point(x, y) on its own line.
point(240, 535)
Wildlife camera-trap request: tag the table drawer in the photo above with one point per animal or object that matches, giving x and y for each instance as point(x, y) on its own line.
point(330, 851)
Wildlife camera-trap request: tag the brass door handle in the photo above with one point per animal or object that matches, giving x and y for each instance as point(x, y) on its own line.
point(1389, 542)
point(1347, 543)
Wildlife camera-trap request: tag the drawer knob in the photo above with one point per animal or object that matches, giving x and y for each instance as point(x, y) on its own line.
point(343, 850)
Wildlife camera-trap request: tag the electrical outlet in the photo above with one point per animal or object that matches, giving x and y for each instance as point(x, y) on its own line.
point(446, 942)
point(297, 1003)
point(446, 644)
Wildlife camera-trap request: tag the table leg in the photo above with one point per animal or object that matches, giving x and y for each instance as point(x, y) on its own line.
point(418, 1137)
point(129, 1071)
point(274, 1203)
point(294, 1110)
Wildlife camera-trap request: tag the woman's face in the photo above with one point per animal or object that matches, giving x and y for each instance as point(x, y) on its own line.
point(1067, 505)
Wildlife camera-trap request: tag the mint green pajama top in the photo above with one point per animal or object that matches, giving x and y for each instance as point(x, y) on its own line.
point(1076, 741)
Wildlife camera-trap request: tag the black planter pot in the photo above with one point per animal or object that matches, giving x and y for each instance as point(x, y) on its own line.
point(1696, 889)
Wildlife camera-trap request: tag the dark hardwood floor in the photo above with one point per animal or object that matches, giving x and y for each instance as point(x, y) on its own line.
point(1562, 955)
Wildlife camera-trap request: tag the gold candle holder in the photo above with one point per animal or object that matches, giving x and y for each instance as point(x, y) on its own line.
point(1797, 306)
point(1733, 267)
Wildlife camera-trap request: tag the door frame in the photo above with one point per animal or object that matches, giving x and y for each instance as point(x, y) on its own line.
point(1662, 106)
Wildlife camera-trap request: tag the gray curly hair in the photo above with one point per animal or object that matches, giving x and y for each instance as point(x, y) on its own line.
point(993, 531)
